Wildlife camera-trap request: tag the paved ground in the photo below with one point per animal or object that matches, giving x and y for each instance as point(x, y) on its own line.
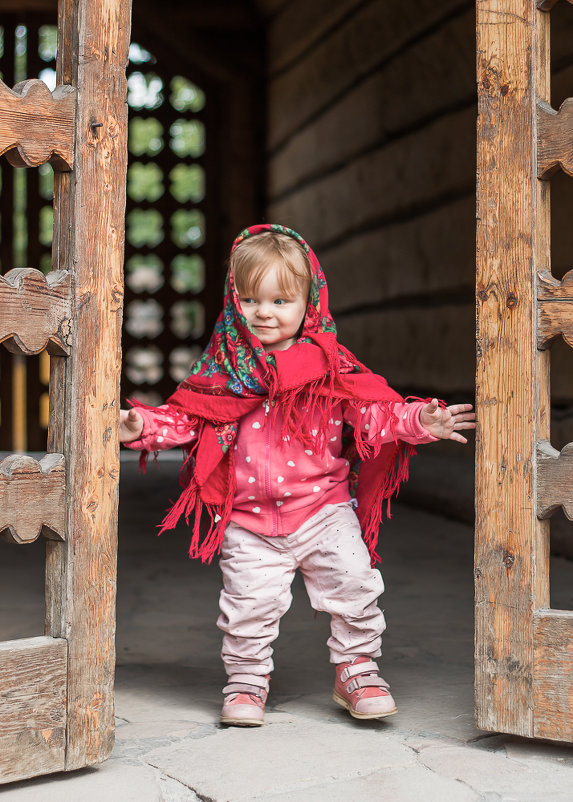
point(170, 747)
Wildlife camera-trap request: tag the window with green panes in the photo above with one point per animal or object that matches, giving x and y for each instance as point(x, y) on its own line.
point(27, 50)
point(164, 314)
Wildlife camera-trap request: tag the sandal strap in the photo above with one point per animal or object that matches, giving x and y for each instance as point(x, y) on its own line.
point(373, 681)
point(354, 669)
point(243, 687)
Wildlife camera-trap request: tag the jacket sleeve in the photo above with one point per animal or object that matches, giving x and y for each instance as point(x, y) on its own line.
point(163, 427)
point(373, 421)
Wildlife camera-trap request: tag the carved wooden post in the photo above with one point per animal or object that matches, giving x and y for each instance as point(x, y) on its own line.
point(511, 560)
point(89, 207)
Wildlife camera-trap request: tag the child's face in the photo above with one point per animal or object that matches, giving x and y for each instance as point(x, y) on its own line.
point(273, 316)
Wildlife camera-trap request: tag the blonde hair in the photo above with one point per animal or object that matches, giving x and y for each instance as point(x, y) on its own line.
point(255, 255)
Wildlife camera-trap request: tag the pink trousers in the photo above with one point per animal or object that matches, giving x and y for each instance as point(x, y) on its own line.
point(257, 575)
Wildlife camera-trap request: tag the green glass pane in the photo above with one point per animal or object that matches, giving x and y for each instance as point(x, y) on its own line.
point(144, 91)
point(145, 136)
point(1, 42)
point(144, 182)
point(188, 228)
point(187, 138)
point(144, 365)
point(46, 225)
point(144, 272)
point(187, 319)
point(185, 95)
point(47, 42)
point(139, 55)
point(46, 262)
point(144, 227)
point(187, 273)
point(180, 361)
point(187, 183)
point(46, 181)
point(143, 318)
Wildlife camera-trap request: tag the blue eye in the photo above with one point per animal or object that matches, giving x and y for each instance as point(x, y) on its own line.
point(280, 301)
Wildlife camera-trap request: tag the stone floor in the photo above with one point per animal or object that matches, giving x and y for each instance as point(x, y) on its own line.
point(169, 745)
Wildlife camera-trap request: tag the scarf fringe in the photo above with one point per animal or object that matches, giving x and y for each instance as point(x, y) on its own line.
point(388, 487)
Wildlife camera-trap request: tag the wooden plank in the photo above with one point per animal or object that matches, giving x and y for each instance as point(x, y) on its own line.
point(306, 23)
point(555, 140)
point(344, 129)
point(555, 309)
point(32, 498)
point(89, 242)
point(398, 344)
point(405, 259)
point(553, 674)
point(405, 177)
point(37, 125)
point(511, 554)
point(32, 707)
point(554, 480)
point(35, 311)
point(375, 34)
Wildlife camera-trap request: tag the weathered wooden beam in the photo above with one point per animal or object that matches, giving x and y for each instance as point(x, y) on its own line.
point(554, 479)
point(36, 125)
point(555, 309)
point(555, 138)
point(89, 217)
point(35, 311)
point(553, 674)
point(32, 707)
point(547, 5)
point(512, 379)
point(32, 498)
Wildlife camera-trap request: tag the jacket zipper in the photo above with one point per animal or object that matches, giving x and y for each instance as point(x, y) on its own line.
point(268, 479)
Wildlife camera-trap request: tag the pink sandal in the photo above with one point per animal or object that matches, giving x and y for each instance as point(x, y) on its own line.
point(362, 691)
point(245, 698)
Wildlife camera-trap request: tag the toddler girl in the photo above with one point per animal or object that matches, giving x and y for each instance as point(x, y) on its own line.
point(293, 447)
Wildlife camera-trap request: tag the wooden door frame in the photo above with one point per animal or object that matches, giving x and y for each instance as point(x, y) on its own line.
point(524, 649)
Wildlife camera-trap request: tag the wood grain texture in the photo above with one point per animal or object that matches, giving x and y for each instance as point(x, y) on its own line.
point(511, 550)
point(554, 480)
point(89, 207)
point(555, 309)
point(32, 498)
point(371, 113)
point(32, 707)
point(36, 125)
point(35, 311)
point(555, 138)
point(553, 674)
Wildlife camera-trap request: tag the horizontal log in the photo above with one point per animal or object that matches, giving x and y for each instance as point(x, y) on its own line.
point(431, 350)
point(554, 480)
point(32, 498)
point(553, 674)
point(306, 24)
point(33, 678)
point(35, 311)
point(36, 125)
point(555, 309)
point(403, 178)
point(405, 259)
point(376, 33)
point(372, 112)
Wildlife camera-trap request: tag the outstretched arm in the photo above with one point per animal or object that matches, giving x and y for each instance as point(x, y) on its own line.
point(130, 425)
point(445, 423)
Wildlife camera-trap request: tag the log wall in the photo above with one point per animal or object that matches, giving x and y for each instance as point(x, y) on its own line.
point(371, 156)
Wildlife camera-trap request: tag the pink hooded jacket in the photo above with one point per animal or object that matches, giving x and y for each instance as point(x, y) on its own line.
point(282, 484)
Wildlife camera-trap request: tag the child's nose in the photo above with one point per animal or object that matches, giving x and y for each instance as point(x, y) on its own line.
point(264, 310)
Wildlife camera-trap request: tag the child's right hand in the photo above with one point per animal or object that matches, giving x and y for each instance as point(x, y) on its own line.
point(130, 425)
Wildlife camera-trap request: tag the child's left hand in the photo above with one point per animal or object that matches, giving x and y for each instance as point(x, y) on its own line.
point(445, 423)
